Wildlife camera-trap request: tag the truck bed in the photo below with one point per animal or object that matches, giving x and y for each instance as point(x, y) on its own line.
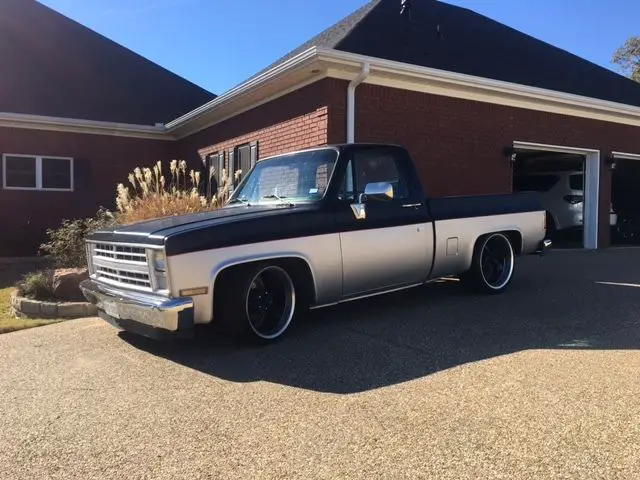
point(470, 206)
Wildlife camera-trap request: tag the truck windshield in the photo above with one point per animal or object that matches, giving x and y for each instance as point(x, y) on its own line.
point(297, 177)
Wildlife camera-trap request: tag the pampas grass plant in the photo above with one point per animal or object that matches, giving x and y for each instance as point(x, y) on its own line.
point(149, 195)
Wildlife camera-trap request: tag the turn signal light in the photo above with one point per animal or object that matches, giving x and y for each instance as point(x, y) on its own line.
point(192, 292)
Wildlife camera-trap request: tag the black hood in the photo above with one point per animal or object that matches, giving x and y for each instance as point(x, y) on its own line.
point(231, 225)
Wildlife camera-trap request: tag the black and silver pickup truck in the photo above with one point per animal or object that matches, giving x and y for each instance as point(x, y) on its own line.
point(307, 229)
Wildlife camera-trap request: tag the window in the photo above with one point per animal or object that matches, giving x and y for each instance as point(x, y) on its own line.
point(214, 167)
point(371, 167)
point(243, 158)
point(34, 172)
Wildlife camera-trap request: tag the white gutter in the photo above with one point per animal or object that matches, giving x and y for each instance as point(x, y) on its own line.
point(74, 125)
point(351, 101)
point(285, 67)
point(470, 81)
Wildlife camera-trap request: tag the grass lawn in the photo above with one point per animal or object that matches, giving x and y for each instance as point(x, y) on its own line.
point(9, 323)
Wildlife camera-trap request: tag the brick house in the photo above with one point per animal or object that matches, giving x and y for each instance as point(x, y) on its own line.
point(466, 95)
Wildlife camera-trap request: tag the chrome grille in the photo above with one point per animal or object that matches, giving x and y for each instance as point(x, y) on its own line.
point(121, 265)
point(118, 252)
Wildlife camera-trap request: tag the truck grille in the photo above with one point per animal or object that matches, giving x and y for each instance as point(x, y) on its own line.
point(121, 265)
point(117, 252)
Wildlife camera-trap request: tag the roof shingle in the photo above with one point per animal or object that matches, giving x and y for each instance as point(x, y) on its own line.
point(52, 65)
point(451, 38)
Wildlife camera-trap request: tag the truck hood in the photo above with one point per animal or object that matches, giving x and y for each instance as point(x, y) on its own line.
point(235, 221)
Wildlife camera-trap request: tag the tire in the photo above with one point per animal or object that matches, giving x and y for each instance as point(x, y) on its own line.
point(257, 303)
point(492, 265)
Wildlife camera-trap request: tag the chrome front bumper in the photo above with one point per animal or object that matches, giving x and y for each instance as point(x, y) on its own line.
point(144, 314)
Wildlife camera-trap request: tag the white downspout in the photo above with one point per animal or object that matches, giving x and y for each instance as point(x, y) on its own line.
point(351, 101)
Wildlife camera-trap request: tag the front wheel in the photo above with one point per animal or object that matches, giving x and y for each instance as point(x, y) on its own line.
point(492, 265)
point(258, 302)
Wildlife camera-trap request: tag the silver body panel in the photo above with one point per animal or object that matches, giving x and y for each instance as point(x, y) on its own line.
point(359, 263)
point(384, 258)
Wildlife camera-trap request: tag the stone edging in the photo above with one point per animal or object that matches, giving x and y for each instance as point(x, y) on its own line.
point(27, 307)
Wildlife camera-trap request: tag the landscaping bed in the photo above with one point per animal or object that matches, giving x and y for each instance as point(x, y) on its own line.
point(9, 322)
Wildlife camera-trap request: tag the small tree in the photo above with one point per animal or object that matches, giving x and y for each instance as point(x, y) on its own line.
point(66, 244)
point(627, 57)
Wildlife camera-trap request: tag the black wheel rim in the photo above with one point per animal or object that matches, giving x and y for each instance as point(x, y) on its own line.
point(496, 261)
point(270, 302)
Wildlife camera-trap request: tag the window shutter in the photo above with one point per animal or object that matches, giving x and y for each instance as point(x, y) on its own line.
point(231, 167)
point(1, 171)
point(207, 175)
point(81, 175)
point(253, 149)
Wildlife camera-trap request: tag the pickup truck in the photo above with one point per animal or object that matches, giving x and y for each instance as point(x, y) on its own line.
point(306, 230)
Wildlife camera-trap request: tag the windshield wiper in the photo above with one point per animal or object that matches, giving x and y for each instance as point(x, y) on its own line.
point(282, 199)
point(241, 200)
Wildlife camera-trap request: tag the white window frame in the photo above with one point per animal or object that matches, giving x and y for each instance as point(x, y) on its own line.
point(38, 186)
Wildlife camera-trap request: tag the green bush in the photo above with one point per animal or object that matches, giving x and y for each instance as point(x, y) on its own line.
point(66, 245)
point(36, 285)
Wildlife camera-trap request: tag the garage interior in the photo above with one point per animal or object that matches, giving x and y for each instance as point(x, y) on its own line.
point(625, 197)
point(559, 179)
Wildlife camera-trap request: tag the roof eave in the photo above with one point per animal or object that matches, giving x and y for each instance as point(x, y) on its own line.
point(73, 125)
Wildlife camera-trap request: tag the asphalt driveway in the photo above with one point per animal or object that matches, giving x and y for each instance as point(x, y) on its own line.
point(541, 382)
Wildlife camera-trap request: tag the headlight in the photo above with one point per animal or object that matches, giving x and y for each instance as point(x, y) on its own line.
point(159, 262)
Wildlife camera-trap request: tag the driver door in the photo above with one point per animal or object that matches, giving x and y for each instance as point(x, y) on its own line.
point(391, 246)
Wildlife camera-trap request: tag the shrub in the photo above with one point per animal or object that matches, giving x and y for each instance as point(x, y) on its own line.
point(36, 285)
point(66, 244)
point(151, 196)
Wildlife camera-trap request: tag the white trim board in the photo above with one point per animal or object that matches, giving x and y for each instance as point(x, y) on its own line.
point(591, 187)
point(73, 125)
point(316, 63)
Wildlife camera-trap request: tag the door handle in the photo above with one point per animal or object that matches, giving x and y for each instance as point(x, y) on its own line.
point(412, 205)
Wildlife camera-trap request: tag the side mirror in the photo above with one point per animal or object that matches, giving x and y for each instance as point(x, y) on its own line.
point(380, 191)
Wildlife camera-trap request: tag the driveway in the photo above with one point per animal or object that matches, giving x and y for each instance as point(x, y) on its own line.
point(541, 382)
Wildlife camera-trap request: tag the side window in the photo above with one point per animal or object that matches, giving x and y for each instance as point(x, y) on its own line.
point(379, 167)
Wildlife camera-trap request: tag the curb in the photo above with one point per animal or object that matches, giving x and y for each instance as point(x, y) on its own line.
point(29, 308)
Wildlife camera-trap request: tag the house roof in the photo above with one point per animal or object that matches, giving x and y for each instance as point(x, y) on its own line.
point(54, 66)
point(446, 37)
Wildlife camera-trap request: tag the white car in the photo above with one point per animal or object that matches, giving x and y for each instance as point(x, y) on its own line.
point(561, 194)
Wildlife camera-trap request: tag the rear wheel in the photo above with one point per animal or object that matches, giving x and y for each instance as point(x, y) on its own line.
point(492, 265)
point(258, 302)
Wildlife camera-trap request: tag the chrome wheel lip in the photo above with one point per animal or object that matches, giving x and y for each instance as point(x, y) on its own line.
point(509, 259)
point(290, 306)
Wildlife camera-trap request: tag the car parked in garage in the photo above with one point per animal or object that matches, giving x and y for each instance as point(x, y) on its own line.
point(561, 194)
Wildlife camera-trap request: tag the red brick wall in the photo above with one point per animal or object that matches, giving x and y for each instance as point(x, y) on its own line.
point(457, 144)
point(100, 163)
point(297, 120)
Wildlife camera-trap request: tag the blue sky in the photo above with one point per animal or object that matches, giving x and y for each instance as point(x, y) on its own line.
point(219, 43)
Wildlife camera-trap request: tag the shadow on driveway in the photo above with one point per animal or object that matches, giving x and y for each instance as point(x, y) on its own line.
point(554, 302)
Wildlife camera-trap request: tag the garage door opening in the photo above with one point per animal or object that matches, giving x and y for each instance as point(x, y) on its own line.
point(567, 182)
point(559, 180)
point(625, 198)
